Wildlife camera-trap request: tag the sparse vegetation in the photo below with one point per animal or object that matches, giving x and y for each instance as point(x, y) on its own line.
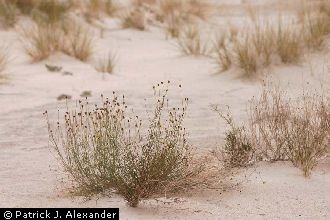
point(42, 40)
point(281, 129)
point(94, 8)
point(223, 53)
point(292, 130)
point(238, 151)
point(8, 13)
point(78, 41)
point(104, 148)
point(191, 43)
point(3, 60)
point(254, 49)
point(316, 24)
point(245, 55)
point(106, 64)
point(134, 19)
point(288, 44)
point(50, 11)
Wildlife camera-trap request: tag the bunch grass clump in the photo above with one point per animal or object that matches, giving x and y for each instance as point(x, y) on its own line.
point(50, 11)
point(223, 53)
point(3, 60)
point(257, 47)
point(95, 8)
point(41, 40)
point(288, 44)
point(8, 13)
point(106, 64)
point(78, 41)
point(191, 43)
point(177, 14)
point(104, 148)
point(245, 56)
point(237, 151)
point(134, 19)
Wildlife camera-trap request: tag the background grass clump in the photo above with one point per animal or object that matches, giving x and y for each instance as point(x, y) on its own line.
point(103, 148)
point(3, 60)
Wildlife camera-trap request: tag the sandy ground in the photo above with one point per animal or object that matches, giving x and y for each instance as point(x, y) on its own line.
point(29, 174)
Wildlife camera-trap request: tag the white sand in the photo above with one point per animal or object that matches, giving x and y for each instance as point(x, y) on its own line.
point(29, 175)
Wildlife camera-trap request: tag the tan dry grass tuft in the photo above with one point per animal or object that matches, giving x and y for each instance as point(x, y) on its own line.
point(176, 14)
point(295, 130)
point(50, 11)
point(245, 55)
point(41, 41)
point(134, 19)
point(78, 41)
point(95, 8)
point(106, 64)
point(255, 48)
point(191, 43)
point(223, 52)
point(3, 60)
point(8, 13)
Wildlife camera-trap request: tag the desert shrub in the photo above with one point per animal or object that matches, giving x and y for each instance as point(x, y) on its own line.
point(269, 115)
point(106, 64)
point(186, 9)
point(8, 13)
point(237, 151)
point(105, 148)
point(191, 43)
point(282, 129)
point(292, 130)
